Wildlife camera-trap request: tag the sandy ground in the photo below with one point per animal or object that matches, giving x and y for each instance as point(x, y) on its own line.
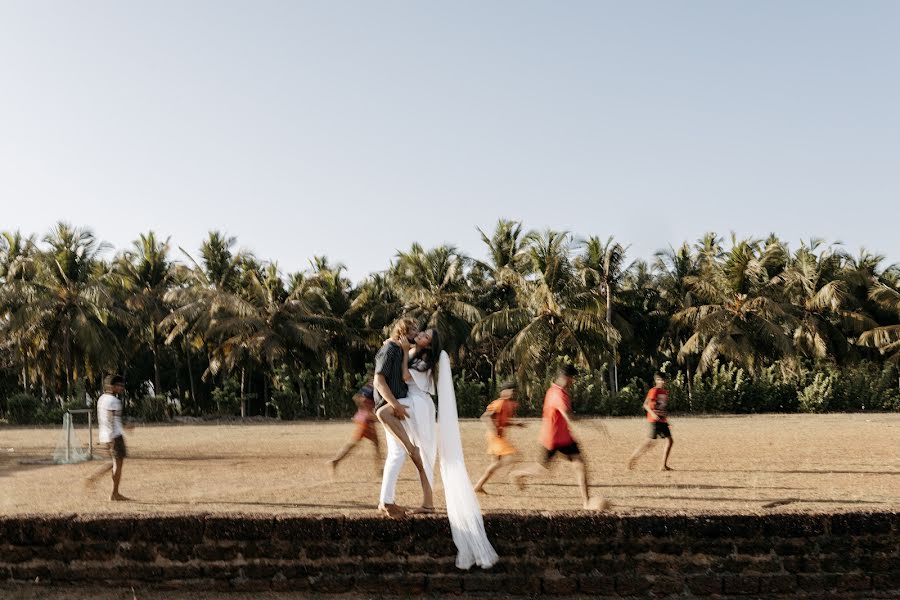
point(755, 464)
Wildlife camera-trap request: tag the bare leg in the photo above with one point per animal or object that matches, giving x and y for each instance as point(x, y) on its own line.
point(117, 477)
point(333, 463)
point(394, 427)
point(492, 468)
point(669, 443)
point(638, 453)
point(581, 475)
point(533, 470)
point(378, 458)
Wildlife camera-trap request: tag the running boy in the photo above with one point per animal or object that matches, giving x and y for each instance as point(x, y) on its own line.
point(497, 417)
point(556, 437)
point(657, 414)
point(365, 427)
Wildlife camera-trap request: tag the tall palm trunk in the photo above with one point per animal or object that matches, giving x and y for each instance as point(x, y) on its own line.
point(154, 348)
point(187, 354)
point(613, 367)
point(243, 396)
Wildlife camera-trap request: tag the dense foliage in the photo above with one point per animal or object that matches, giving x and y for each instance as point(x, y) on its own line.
point(744, 326)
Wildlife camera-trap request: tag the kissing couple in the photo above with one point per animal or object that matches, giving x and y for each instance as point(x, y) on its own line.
point(410, 368)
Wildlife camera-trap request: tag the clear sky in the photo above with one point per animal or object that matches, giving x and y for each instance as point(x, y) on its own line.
point(351, 129)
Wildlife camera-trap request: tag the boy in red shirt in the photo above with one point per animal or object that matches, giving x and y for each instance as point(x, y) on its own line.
point(498, 416)
point(365, 427)
point(556, 437)
point(657, 414)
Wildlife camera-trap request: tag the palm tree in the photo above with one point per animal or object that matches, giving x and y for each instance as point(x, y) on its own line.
point(554, 315)
point(69, 308)
point(206, 291)
point(886, 337)
point(145, 274)
point(17, 270)
point(822, 302)
point(740, 319)
point(601, 268)
point(432, 286)
point(271, 327)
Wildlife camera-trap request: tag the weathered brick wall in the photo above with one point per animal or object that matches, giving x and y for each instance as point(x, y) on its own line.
point(603, 555)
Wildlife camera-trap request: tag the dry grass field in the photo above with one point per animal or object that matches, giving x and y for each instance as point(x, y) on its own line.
point(748, 464)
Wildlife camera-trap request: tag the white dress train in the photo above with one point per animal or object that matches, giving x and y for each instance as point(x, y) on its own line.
point(463, 510)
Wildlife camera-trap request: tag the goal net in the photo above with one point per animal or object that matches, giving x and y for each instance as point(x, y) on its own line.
point(70, 448)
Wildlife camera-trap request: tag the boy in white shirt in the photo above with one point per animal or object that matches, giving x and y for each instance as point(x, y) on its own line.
point(109, 425)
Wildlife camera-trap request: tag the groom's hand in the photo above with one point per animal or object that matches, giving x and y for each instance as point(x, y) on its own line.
point(400, 412)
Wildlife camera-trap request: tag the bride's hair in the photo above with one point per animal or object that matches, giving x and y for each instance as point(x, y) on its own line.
point(429, 357)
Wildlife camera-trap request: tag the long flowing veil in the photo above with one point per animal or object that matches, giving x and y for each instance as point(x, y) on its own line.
point(463, 510)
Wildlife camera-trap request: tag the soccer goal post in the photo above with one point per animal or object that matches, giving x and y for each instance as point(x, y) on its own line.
point(69, 448)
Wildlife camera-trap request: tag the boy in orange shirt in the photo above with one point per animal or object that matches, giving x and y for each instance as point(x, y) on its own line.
point(365, 427)
point(556, 437)
point(497, 417)
point(658, 416)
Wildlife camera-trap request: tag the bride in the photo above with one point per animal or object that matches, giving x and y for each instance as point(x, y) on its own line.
point(428, 372)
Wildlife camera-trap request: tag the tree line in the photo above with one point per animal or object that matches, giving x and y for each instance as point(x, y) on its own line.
point(222, 332)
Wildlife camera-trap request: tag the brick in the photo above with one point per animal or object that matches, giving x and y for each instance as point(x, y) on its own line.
point(41, 530)
point(137, 551)
point(291, 585)
point(16, 554)
point(331, 585)
point(559, 585)
point(854, 582)
point(729, 527)
point(517, 526)
point(211, 552)
point(794, 525)
point(740, 584)
point(665, 586)
point(777, 584)
point(801, 564)
point(102, 529)
point(817, 582)
point(176, 552)
point(444, 584)
point(239, 528)
point(291, 529)
point(187, 529)
point(864, 523)
point(482, 582)
point(630, 585)
point(886, 581)
point(597, 584)
point(522, 585)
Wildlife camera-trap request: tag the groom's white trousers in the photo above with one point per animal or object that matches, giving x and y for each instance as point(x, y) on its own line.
point(393, 464)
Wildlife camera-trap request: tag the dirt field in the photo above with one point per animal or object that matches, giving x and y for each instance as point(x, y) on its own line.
point(723, 464)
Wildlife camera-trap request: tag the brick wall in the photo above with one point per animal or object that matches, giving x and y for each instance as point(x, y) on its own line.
point(601, 555)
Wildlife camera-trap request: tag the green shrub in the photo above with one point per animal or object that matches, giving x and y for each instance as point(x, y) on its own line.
point(227, 398)
point(471, 397)
point(151, 409)
point(24, 409)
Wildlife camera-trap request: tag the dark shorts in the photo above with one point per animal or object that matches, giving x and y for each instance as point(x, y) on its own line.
point(117, 447)
point(658, 429)
point(569, 452)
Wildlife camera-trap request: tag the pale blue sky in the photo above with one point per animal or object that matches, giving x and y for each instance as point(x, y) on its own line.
point(294, 125)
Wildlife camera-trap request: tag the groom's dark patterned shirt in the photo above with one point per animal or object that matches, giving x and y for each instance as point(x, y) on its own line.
point(389, 362)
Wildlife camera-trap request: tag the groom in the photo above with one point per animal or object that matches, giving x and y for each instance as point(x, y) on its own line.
point(391, 364)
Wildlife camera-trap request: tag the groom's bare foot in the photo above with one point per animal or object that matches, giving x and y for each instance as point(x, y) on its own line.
point(392, 511)
point(422, 510)
point(480, 490)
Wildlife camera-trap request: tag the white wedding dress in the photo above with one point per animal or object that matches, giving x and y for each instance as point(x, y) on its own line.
point(463, 510)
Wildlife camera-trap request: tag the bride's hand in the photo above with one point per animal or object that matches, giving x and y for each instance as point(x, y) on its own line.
point(404, 343)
